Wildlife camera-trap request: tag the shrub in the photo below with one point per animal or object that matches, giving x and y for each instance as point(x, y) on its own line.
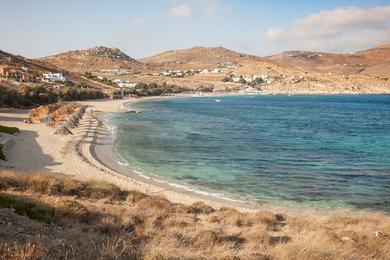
point(2, 156)
point(37, 95)
point(29, 209)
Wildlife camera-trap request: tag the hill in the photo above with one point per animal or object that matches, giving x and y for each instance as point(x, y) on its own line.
point(37, 67)
point(199, 58)
point(95, 59)
point(375, 61)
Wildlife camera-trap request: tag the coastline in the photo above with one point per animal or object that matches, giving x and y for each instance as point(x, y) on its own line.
point(87, 155)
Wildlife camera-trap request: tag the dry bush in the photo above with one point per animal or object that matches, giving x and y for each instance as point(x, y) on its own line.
point(196, 208)
point(135, 196)
point(158, 202)
point(12, 181)
point(44, 184)
point(117, 247)
point(31, 251)
point(66, 209)
point(104, 190)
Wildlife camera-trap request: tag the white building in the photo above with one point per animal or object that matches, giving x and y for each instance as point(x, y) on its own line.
point(236, 79)
point(249, 91)
point(205, 71)
point(126, 84)
point(53, 77)
point(249, 79)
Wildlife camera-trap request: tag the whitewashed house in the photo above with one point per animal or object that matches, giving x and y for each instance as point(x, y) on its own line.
point(204, 72)
point(236, 79)
point(53, 77)
point(126, 85)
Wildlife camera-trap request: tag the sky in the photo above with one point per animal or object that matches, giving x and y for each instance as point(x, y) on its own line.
point(143, 28)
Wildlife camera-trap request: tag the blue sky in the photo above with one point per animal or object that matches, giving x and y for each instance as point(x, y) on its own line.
point(143, 28)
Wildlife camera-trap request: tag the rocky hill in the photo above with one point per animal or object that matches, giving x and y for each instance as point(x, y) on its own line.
point(199, 58)
point(94, 60)
point(375, 61)
point(37, 67)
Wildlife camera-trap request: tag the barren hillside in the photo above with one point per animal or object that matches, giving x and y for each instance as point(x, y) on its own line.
point(199, 58)
point(93, 60)
point(375, 61)
point(38, 67)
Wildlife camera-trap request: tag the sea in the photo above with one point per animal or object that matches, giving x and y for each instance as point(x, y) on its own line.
point(324, 151)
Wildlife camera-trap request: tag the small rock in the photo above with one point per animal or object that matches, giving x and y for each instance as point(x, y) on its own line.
point(20, 229)
point(346, 239)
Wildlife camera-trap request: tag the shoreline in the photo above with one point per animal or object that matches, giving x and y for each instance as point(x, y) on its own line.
point(87, 155)
point(103, 154)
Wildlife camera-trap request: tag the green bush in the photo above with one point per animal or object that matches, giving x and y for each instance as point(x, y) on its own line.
point(8, 130)
point(37, 95)
point(28, 209)
point(9, 97)
point(154, 89)
point(2, 156)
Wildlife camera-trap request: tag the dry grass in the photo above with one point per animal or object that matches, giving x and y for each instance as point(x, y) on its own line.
point(98, 220)
point(29, 251)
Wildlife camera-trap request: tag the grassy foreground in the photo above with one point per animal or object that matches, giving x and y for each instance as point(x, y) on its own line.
point(96, 220)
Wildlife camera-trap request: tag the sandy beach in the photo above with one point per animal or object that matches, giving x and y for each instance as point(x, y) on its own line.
point(86, 155)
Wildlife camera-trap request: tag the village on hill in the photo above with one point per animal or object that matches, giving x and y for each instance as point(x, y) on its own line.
point(194, 70)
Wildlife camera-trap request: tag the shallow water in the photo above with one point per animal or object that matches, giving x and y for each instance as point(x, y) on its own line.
point(321, 151)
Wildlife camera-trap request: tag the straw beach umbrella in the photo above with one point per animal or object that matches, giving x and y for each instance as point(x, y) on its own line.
point(80, 114)
point(82, 109)
point(63, 130)
point(71, 124)
point(74, 118)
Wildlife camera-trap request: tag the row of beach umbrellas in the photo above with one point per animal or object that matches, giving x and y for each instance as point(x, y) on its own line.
point(72, 122)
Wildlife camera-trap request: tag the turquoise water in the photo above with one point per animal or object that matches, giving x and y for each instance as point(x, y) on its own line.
point(322, 151)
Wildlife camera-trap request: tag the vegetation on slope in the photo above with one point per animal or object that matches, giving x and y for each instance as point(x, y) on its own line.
point(8, 130)
point(29, 209)
point(36, 95)
point(154, 89)
point(103, 80)
point(98, 220)
point(2, 156)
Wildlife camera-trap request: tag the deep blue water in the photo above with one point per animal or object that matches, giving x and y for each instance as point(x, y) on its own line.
point(322, 151)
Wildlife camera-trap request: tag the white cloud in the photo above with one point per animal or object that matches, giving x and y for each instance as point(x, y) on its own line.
point(180, 11)
point(273, 33)
point(212, 6)
point(137, 21)
point(337, 29)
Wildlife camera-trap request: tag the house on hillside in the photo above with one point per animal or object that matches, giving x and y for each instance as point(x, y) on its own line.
point(249, 91)
point(236, 79)
point(204, 72)
point(126, 84)
point(17, 74)
point(53, 77)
